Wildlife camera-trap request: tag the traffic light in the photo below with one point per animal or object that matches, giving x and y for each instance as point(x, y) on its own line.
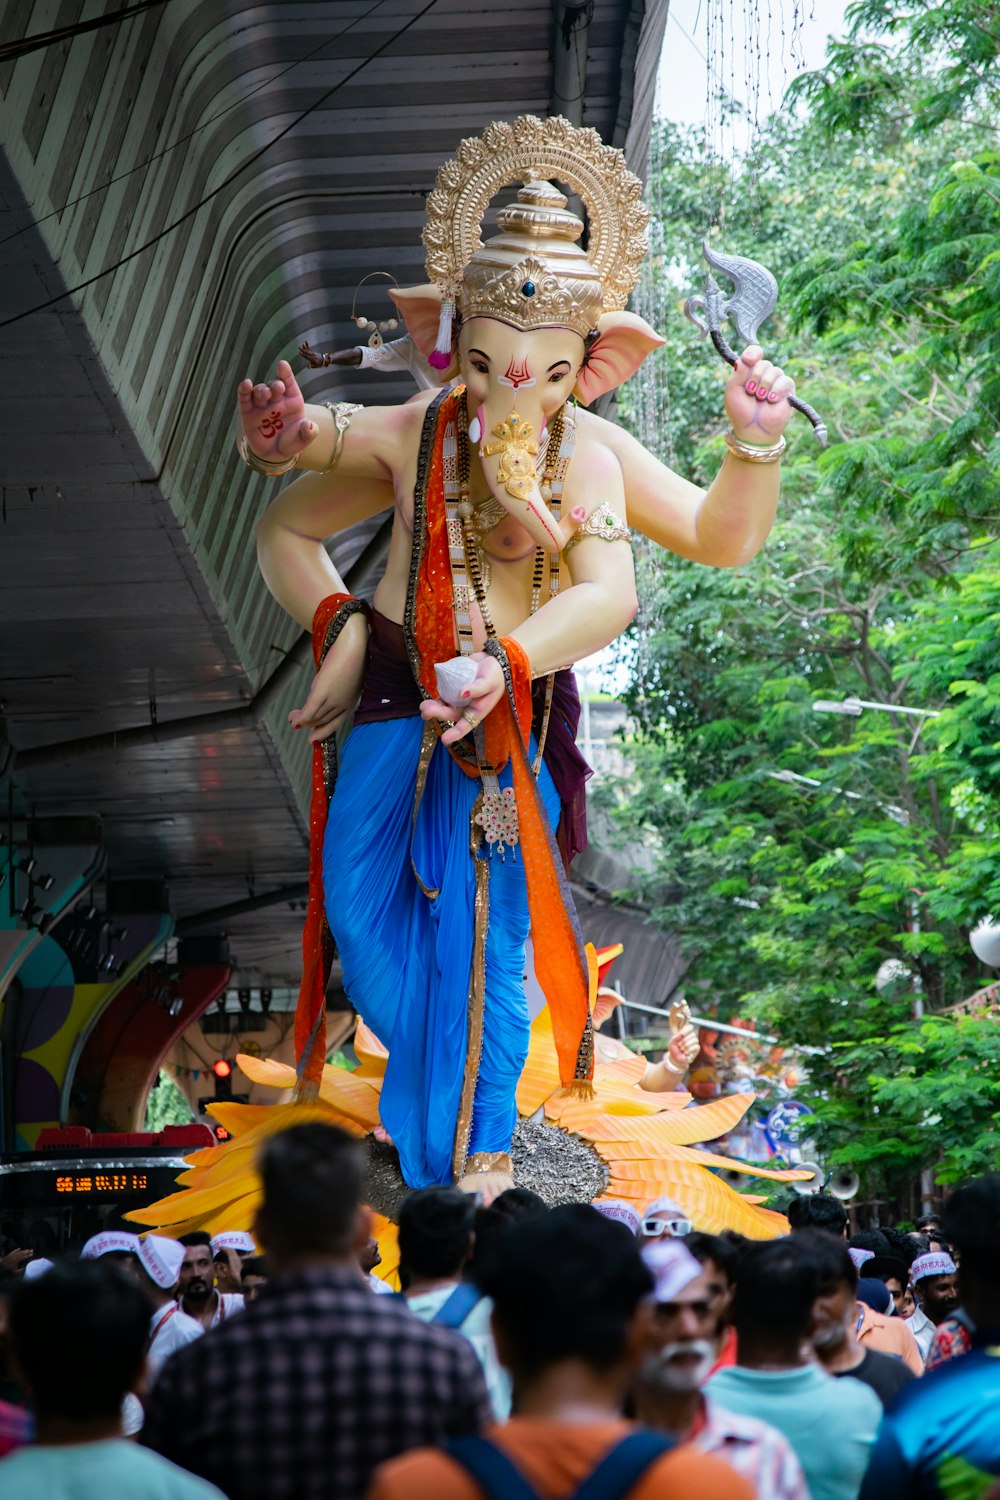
point(223, 1071)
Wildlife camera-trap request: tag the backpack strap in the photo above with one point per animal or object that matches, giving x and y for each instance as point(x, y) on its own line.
point(622, 1468)
point(453, 1312)
point(490, 1468)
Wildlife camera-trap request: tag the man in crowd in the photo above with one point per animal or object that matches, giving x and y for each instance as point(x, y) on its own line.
point(80, 1334)
point(664, 1219)
point(511, 1207)
point(871, 1240)
point(118, 1248)
point(436, 1241)
point(934, 1278)
point(159, 1263)
point(198, 1295)
point(667, 1391)
point(819, 1211)
point(836, 1314)
point(882, 1332)
point(570, 1313)
point(830, 1423)
point(255, 1275)
point(230, 1250)
point(719, 1260)
point(894, 1275)
point(316, 1381)
point(942, 1437)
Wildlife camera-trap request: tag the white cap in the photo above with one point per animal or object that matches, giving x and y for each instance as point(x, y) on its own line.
point(37, 1267)
point(234, 1239)
point(860, 1256)
point(110, 1242)
point(673, 1267)
point(161, 1259)
point(620, 1211)
point(666, 1208)
point(935, 1264)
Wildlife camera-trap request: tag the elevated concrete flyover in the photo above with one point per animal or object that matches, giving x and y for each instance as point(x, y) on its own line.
point(209, 181)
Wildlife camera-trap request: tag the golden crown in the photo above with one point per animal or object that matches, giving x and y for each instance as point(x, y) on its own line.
point(533, 273)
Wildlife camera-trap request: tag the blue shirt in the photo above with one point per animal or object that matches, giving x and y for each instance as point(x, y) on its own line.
point(830, 1423)
point(941, 1436)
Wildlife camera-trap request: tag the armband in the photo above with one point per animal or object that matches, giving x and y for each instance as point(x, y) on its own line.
point(341, 412)
point(602, 522)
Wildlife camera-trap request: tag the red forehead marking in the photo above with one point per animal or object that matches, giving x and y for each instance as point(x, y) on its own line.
point(518, 373)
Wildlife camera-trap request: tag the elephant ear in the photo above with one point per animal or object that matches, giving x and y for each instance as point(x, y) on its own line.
point(420, 309)
point(624, 339)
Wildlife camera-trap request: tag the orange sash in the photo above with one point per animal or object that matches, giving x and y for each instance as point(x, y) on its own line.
point(317, 941)
point(560, 959)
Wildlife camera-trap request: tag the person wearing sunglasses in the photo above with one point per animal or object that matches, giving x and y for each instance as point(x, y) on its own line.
point(664, 1219)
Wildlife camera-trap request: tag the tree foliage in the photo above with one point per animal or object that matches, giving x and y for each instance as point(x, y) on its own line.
point(796, 851)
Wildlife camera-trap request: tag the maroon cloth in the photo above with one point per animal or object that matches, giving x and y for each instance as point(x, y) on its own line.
point(390, 692)
point(566, 765)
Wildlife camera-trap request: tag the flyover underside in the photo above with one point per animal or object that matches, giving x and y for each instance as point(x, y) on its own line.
point(128, 587)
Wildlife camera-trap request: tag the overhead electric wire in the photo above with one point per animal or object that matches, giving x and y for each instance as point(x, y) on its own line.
point(110, 182)
point(189, 213)
point(11, 51)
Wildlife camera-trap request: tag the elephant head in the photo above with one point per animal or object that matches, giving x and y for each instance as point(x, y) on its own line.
point(527, 373)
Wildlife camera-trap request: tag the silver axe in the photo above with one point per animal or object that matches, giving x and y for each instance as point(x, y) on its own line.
point(747, 307)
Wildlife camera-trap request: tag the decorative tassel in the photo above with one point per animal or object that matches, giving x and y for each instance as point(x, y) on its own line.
point(580, 1088)
point(441, 356)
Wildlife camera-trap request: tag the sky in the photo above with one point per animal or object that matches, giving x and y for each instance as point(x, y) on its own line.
point(786, 48)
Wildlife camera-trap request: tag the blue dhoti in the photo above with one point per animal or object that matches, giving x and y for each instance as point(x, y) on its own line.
point(407, 945)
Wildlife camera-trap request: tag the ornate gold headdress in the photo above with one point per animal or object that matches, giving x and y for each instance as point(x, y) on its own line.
point(533, 274)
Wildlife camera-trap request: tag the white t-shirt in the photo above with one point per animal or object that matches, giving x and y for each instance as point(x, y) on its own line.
point(227, 1304)
point(169, 1329)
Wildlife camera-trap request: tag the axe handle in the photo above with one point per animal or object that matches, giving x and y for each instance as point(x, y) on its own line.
point(795, 402)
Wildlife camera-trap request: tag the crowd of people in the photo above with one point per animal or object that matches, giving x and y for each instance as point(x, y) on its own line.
point(585, 1350)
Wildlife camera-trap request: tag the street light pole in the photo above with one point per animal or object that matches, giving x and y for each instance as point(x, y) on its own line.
point(856, 706)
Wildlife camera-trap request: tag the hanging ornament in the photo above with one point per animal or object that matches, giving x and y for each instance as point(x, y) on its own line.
point(377, 328)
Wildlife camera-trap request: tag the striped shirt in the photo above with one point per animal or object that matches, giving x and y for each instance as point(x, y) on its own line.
point(757, 1452)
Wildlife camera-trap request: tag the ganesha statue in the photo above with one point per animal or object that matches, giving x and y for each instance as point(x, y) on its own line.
point(443, 827)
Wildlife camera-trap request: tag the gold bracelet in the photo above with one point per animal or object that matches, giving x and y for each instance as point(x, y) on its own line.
point(263, 466)
point(751, 455)
point(341, 413)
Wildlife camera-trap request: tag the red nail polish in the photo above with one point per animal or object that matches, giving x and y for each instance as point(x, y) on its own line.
point(750, 387)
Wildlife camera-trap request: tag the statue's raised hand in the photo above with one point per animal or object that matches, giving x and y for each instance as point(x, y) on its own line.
point(757, 398)
point(273, 416)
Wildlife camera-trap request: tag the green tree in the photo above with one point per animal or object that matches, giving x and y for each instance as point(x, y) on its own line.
point(167, 1105)
point(878, 581)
